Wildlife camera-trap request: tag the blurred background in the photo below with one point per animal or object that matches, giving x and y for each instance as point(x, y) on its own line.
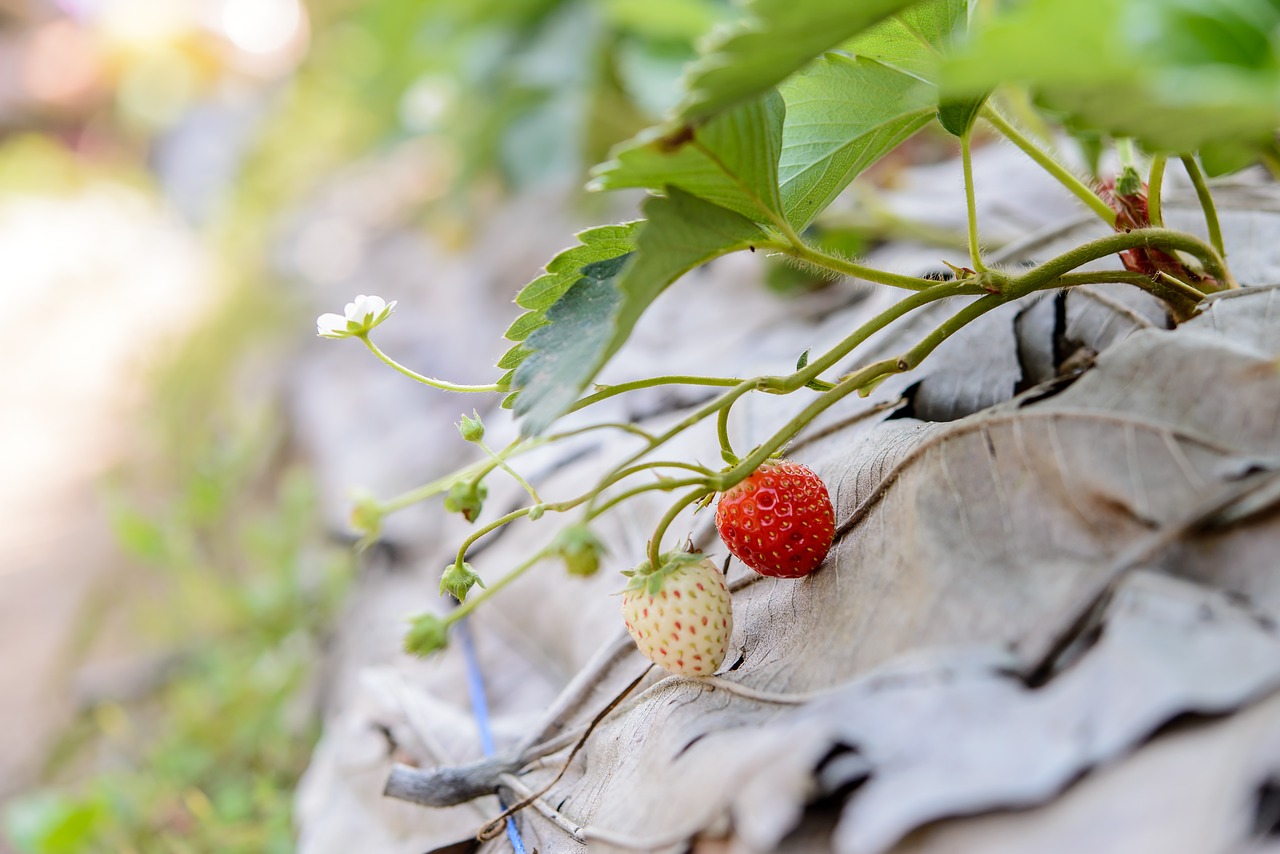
point(184, 185)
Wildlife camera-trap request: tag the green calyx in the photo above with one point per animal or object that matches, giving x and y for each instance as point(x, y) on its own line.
point(580, 549)
point(427, 633)
point(650, 579)
point(467, 498)
point(458, 580)
point(471, 427)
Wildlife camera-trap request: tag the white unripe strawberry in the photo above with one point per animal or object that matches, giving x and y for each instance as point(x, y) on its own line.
point(680, 615)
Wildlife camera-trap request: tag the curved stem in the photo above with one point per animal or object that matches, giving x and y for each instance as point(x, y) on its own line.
point(804, 252)
point(622, 388)
point(413, 375)
point(722, 430)
point(659, 486)
point(1206, 203)
point(857, 380)
point(502, 463)
point(655, 544)
point(1155, 184)
point(474, 601)
point(1161, 238)
point(971, 205)
point(1166, 289)
point(1050, 165)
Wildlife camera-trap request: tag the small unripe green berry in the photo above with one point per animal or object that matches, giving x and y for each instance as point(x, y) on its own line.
point(427, 634)
point(580, 549)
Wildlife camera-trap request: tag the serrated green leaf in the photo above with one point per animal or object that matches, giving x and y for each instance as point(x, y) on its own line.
point(524, 324)
point(504, 382)
point(775, 39)
point(595, 317)
point(731, 160)
point(842, 115)
point(566, 352)
point(595, 244)
point(914, 39)
point(513, 357)
point(681, 232)
point(1173, 74)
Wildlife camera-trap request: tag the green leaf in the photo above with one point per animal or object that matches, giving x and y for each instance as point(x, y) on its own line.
point(958, 116)
point(915, 39)
point(566, 353)
point(680, 233)
point(731, 160)
point(595, 317)
point(775, 39)
point(595, 244)
point(524, 324)
point(842, 115)
point(1174, 74)
point(1229, 155)
point(562, 271)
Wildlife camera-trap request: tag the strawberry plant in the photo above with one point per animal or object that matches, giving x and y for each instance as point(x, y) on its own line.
point(781, 114)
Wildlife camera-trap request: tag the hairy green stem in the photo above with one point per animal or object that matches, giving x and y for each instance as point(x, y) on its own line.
point(1145, 238)
point(413, 375)
point(971, 205)
point(1206, 203)
point(1155, 183)
point(802, 251)
point(1050, 165)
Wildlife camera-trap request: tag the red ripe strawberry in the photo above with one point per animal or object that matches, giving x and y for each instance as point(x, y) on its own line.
point(779, 520)
point(680, 616)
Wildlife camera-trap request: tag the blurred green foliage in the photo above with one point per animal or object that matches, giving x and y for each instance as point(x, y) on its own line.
point(238, 601)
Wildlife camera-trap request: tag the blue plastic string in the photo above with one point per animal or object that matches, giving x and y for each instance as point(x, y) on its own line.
point(480, 708)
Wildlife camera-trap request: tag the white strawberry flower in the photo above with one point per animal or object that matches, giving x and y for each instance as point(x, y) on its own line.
point(358, 318)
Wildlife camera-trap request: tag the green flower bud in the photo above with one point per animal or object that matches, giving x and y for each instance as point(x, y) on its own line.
point(1129, 182)
point(471, 428)
point(458, 579)
point(580, 549)
point(366, 516)
point(466, 498)
point(427, 634)
point(536, 511)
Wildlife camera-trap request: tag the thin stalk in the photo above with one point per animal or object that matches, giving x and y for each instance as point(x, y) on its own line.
point(726, 447)
point(1141, 280)
point(971, 205)
point(663, 486)
point(1052, 166)
point(502, 463)
point(1206, 203)
point(855, 381)
point(1155, 183)
point(413, 375)
point(474, 601)
point(1147, 238)
point(804, 252)
point(655, 544)
point(622, 388)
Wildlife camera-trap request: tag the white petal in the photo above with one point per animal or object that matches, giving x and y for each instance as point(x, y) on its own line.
point(326, 323)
